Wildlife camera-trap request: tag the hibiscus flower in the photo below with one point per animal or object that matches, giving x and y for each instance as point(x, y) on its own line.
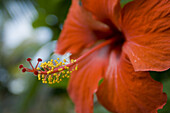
point(116, 45)
point(120, 45)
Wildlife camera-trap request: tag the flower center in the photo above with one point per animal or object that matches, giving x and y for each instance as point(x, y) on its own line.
point(115, 33)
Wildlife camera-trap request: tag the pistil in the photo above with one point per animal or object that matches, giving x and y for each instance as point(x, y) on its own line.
point(55, 70)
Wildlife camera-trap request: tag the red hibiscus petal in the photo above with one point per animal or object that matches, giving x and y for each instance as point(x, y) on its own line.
point(145, 24)
point(84, 82)
point(126, 91)
point(104, 10)
point(80, 30)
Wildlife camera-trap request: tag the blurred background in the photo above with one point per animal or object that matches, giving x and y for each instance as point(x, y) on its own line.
point(30, 29)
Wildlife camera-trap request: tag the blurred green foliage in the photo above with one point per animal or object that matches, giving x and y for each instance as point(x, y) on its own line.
point(37, 97)
point(59, 8)
point(124, 2)
point(164, 78)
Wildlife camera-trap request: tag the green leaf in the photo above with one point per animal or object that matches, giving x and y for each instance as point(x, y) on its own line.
point(124, 2)
point(166, 89)
point(101, 80)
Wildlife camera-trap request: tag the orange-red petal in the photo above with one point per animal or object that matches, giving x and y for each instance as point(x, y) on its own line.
point(84, 82)
point(80, 30)
point(104, 10)
point(146, 25)
point(126, 91)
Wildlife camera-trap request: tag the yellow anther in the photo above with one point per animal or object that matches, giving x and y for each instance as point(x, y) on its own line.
point(38, 68)
point(72, 69)
point(60, 63)
point(60, 69)
point(49, 79)
point(64, 60)
point(65, 75)
point(50, 82)
point(53, 81)
point(72, 60)
point(63, 63)
point(39, 76)
point(68, 76)
point(48, 72)
point(67, 67)
point(58, 58)
point(57, 65)
point(63, 72)
point(60, 79)
point(68, 72)
point(76, 67)
point(51, 60)
point(45, 82)
point(43, 76)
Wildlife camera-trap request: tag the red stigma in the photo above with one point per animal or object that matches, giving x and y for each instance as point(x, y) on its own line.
point(24, 70)
point(34, 69)
point(35, 72)
point(29, 59)
point(21, 66)
point(39, 60)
